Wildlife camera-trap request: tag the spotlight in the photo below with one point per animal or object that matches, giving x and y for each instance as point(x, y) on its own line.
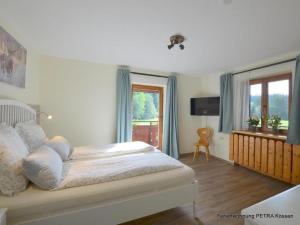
point(170, 46)
point(48, 116)
point(176, 39)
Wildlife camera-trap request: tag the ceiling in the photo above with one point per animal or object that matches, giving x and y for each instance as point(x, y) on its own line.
point(220, 35)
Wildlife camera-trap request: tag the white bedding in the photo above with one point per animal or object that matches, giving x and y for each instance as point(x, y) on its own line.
point(149, 172)
point(86, 172)
point(110, 150)
point(34, 203)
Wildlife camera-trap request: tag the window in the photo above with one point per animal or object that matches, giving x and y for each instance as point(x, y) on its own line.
point(255, 100)
point(271, 96)
point(147, 114)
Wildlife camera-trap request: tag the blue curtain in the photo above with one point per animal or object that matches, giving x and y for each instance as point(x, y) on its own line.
point(170, 135)
point(226, 103)
point(123, 105)
point(294, 121)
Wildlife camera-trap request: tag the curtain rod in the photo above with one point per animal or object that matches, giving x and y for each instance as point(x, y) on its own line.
point(265, 66)
point(150, 75)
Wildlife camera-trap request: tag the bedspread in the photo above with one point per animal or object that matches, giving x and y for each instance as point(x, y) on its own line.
point(86, 172)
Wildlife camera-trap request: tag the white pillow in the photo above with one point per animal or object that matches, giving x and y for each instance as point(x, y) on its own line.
point(32, 134)
point(61, 146)
point(12, 152)
point(44, 168)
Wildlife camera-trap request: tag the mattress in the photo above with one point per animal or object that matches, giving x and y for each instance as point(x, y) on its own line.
point(35, 203)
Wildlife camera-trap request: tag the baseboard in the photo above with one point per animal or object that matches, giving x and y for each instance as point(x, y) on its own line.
point(191, 154)
point(186, 154)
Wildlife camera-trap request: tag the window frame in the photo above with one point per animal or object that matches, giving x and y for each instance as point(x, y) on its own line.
point(160, 90)
point(265, 97)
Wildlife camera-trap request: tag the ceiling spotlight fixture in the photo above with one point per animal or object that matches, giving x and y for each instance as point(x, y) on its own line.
point(176, 39)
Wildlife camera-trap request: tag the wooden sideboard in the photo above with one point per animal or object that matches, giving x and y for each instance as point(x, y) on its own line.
point(267, 154)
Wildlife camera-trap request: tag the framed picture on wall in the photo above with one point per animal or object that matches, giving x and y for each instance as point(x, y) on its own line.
point(12, 60)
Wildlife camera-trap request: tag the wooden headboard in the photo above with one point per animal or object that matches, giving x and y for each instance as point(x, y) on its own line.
point(13, 112)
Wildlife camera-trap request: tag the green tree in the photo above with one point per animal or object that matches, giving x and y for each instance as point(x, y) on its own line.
point(255, 106)
point(278, 105)
point(138, 105)
point(156, 101)
point(150, 110)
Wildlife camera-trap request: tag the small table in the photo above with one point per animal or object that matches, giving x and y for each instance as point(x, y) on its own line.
point(267, 212)
point(2, 216)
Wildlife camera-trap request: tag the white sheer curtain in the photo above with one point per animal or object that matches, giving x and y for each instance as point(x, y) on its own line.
point(241, 96)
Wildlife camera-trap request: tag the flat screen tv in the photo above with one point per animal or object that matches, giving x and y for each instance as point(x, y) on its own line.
point(205, 106)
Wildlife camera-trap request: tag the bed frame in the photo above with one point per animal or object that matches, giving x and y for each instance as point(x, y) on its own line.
point(108, 213)
point(12, 112)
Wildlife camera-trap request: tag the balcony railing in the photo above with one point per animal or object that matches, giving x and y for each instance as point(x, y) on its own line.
point(145, 130)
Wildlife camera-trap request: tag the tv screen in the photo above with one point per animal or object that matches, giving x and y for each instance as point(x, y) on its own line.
point(205, 106)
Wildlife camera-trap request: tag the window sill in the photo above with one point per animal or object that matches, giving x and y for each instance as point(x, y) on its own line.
point(261, 134)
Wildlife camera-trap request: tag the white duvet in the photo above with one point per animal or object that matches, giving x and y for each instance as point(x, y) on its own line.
point(110, 150)
point(86, 172)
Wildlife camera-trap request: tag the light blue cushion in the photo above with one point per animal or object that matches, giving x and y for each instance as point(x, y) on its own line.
point(61, 146)
point(32, 134)
point(43, 167)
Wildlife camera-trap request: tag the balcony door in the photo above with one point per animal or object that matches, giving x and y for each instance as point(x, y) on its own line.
point(147, 114)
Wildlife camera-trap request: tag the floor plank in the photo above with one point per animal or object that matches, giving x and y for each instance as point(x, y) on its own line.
point(223, 189)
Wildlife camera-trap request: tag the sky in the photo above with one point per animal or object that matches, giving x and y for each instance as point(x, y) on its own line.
point(276, 87)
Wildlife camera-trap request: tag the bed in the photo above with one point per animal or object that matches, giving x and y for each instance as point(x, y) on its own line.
point(107, 203)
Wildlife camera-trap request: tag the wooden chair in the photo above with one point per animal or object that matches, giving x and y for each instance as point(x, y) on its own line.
point(204, 136)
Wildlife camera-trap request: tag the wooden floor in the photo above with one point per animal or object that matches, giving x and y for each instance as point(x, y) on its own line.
point(223, 189)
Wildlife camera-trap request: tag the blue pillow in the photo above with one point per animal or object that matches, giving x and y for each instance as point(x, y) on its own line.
point(61, 146)
point(43, 167)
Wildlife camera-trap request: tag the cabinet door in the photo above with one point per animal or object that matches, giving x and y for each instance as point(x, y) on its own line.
point(241, 149)
point(279, 159)
point(271, 158)
point(287, 162)
point(264, 155)
point(251, 152)
point(296, 164)
point(246, 150)
point(257, 153)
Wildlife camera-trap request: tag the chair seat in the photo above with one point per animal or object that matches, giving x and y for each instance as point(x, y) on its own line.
point(198, 145)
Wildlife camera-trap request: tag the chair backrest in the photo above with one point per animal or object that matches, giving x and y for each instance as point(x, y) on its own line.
point(204, 135)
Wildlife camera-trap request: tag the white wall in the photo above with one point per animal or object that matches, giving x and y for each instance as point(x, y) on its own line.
point(81, 96)
point(189, 87)
point(29, 94)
